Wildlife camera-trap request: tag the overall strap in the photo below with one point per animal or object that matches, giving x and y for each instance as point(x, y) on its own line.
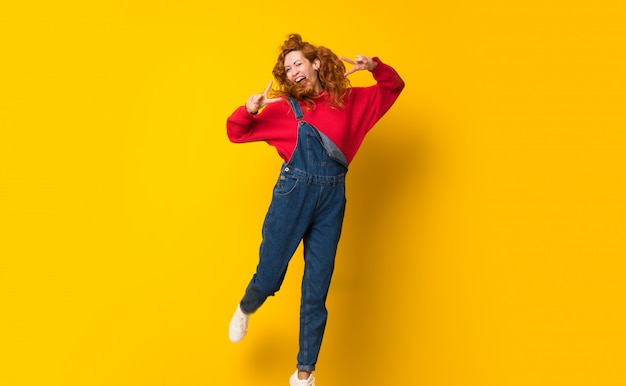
point(295, 106)
point(333, 151)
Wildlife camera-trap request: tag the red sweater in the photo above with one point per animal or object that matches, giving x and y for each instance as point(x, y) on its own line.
point(347, 127)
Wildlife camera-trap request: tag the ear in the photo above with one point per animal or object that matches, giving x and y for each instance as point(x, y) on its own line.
point(316, 64)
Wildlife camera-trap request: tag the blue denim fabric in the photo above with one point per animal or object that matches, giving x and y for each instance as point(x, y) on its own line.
point(308, 205)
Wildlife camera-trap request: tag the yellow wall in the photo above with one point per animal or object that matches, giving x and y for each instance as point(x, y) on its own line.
point(484, 236)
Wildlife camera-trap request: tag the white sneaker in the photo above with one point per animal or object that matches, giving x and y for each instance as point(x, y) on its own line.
point(238, 326)
point(294, 381)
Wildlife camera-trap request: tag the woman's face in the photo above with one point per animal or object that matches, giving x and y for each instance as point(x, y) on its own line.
point(301, 71)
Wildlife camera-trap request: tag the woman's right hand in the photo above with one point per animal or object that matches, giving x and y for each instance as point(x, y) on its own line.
point(257, 101)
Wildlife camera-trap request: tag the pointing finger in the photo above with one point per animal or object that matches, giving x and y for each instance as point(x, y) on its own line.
point(267, 89)
point(347, 60)
point(354, 69)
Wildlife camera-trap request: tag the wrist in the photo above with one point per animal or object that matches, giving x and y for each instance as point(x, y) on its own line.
point(373, 63)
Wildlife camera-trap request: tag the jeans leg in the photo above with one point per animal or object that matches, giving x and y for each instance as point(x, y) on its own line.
point(283, 229)
point(320, 248)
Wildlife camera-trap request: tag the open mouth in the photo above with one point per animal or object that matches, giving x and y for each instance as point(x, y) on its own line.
point(300, 79)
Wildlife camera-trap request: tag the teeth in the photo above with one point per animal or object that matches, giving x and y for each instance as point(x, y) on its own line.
point(300, 79)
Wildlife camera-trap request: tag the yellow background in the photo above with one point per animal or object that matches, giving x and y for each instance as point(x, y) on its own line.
point(484, 235)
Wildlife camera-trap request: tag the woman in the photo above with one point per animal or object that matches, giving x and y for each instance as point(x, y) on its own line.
point(317, 123)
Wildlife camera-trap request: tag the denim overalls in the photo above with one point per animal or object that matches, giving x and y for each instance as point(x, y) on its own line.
point(308, 205)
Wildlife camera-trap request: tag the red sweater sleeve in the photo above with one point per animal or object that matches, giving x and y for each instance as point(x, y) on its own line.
point(238, 125)
point(369, 104)
point(364, 106)
point(274, 124)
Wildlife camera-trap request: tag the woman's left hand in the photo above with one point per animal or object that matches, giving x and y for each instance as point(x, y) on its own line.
point(360, 63)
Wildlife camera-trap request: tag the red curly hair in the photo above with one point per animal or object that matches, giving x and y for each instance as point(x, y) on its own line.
point(331, 72)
